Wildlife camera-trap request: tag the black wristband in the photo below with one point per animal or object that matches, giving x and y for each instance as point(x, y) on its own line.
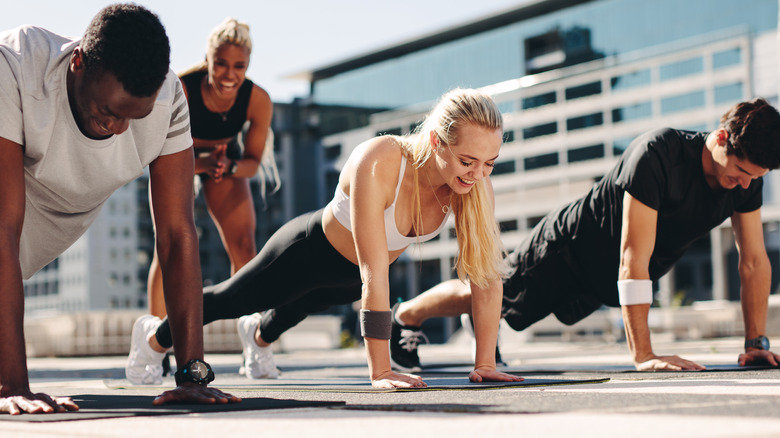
point(375, 323)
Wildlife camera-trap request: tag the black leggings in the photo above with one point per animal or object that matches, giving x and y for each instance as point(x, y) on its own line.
point(297, 273)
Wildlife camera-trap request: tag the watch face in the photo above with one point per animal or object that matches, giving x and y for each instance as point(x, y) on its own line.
point(198, 370)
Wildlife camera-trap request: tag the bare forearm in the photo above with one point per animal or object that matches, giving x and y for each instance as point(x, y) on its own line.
point(486, 309)
point(246, 167)
point(378, 355)
point(756, 284)
point(13, 364)
point(183, 295)
point(638, 332)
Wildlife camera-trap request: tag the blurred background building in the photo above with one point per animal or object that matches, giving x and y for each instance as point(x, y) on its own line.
point(576, 81)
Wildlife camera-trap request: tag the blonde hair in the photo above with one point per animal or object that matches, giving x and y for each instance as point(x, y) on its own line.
point(230, 31)
point(480, 253)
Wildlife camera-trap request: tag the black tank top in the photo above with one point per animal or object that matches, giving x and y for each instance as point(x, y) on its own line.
point(207, 125)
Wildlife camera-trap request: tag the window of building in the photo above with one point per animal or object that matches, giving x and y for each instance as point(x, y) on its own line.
point(681, 69)
point(540, 130)
point(539, 161)
point(544, 52)
point(726, 58)
point(728, 93)
point(503, 167)
point(532, 221)
point(632, 112)
point(585, 153)
point(391, 131)
point(586, 121)
point(331, 180)
point(506, 107)
point(682, 102)
point(584, 90)
point(331, 152)
point(619, 145)
point(631, 80)
point(539, 100)
point(509, 136)
point(510, 225)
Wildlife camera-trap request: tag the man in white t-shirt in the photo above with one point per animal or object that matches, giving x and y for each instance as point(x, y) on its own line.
point(78, 120)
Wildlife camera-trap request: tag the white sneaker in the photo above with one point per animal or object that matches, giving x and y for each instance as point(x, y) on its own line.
point(258, 361)
point(144, 365)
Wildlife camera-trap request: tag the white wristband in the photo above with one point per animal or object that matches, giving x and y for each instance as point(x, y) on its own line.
point(632, 292)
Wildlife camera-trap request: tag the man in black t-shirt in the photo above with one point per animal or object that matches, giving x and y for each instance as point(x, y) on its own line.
point(669, 188)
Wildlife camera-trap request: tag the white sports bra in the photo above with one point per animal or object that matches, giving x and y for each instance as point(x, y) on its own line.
point(339, 205)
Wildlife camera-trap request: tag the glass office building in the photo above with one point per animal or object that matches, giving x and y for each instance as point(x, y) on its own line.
point(576, 81)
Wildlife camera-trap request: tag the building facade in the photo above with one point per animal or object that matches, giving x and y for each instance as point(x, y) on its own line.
point(576, 81)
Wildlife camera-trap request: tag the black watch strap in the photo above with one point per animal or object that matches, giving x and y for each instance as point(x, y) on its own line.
point(233, 167)
point(194, 371)
point(760, 342)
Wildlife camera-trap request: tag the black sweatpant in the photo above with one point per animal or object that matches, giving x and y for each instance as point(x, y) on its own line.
point(296, 273)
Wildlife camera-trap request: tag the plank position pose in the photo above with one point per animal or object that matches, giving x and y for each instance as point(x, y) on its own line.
point(392, 192)
point(668, 189)
point(80, 119)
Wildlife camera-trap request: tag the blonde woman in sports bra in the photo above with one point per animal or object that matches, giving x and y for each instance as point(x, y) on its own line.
point(392, 192)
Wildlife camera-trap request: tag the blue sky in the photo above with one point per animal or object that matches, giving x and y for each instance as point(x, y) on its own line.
point(289, 36)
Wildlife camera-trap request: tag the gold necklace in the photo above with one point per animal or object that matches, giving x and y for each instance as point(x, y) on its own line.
point(444, 208)
point(213, 102)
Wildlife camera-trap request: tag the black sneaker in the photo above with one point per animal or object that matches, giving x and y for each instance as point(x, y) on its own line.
point(403, 346)
point(468, 325)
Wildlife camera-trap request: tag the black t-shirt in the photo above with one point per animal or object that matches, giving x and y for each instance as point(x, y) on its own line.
point(663, 170)
point(207, 125)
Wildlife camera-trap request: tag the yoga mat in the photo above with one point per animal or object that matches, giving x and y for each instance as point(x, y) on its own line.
point(590, 369)
point(362, 385)
point(114, 406)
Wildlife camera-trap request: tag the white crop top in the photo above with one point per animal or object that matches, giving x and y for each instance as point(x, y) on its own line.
point(339, 205)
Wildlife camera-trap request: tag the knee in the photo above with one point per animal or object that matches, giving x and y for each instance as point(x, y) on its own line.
point(458, 291)
point(243, 247)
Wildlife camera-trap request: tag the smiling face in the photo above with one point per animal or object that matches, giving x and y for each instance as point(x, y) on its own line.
point(471, 159)
point(100, 104)
point(725, 171)
point(227, 69)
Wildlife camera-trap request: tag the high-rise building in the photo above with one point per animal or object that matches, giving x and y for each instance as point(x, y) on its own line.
point(576, 81)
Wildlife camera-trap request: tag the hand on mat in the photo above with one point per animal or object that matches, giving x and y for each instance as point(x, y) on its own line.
point(758, 357)
point(36, 404)
point(483, 374)
point(669, 363)
point(194, 393)
point(392, 379)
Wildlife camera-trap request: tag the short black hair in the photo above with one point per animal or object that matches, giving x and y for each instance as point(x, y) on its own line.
point(129, 41)
point(754, 132)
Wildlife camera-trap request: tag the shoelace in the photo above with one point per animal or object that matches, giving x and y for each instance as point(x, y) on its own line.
point(411, 338)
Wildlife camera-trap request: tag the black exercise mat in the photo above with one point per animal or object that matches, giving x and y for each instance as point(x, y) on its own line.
point(93, 407)
point(362, 385)
point(446, 369)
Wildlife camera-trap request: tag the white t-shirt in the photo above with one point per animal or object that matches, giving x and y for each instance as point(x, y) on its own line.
point(69, 176)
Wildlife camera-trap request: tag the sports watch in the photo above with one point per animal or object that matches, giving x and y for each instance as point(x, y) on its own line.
point(195, 371)
point(761, 342)
point(233, 167)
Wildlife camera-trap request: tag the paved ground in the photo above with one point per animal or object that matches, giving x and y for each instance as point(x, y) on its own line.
point(710, 403)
